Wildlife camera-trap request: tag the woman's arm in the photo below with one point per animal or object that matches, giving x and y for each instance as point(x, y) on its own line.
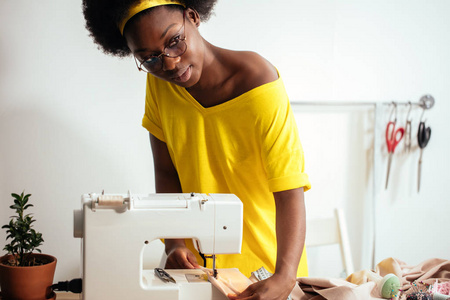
point(166, 176)
point(290, 229)
point(167, 181)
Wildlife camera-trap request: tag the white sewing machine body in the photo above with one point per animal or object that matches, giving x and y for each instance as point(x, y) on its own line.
point(116, 228)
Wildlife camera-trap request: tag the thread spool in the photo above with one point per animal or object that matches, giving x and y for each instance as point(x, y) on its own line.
point(110, 200)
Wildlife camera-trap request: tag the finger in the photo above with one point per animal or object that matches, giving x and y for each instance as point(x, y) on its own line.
point(184, 263)
point(193, 261)
point(247, 292)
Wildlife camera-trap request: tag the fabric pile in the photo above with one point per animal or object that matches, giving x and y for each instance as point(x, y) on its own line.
point(358, 286)
point(428, 280)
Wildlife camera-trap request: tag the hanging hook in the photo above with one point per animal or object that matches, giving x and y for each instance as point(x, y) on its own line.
point(421, 116)
point(393, 112)
point(409, 111)
point(408, 129)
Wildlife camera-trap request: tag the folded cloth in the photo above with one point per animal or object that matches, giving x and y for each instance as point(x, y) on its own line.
point(334, 289)
point(426, 272)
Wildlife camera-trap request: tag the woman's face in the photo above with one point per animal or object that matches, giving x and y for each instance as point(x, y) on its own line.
point(161, 31)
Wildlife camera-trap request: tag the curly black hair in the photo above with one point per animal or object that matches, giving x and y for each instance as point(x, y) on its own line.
point(102, 17)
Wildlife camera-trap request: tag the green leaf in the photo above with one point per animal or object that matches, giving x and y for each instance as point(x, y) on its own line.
point(28, 205)
point(15, 206)
point(17, 196)
point(25, 199)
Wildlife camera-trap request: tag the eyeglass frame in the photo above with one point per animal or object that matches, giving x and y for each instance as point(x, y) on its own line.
point(162, 54)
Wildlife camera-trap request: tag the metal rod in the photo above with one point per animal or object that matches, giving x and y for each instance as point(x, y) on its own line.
point(353, 103)
point(402, 103)
point(333, 103)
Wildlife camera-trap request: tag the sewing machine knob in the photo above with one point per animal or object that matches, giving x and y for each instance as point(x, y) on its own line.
point(225, 227)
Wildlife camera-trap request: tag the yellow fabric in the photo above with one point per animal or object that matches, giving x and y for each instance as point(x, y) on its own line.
point(143, 5)
point(248, 146)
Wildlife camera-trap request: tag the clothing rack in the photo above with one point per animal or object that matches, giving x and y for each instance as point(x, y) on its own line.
point(425, 102)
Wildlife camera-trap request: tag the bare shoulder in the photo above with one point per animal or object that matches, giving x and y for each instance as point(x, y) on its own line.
point(254, 70)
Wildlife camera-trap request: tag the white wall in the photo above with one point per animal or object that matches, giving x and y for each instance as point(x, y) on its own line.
point(70, 116)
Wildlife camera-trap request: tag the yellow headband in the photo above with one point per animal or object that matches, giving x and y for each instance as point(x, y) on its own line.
point(143, 5)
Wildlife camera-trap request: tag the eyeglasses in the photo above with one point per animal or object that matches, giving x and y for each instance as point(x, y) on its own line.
point(176, 47)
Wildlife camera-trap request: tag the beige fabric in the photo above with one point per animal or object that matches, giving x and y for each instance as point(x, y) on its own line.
point(358, 286)
point(228, 281)
point(334, 289)
point(427, 271)
point(232, 281)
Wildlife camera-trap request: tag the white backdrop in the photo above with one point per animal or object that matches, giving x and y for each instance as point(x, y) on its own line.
point(70, 116)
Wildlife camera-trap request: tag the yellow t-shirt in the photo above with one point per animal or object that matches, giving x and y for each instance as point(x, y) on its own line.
point(248, 146)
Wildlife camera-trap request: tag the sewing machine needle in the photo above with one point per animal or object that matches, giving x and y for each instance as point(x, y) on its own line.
point(214, 266)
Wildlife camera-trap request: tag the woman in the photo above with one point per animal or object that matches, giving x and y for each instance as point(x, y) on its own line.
point(219, 122)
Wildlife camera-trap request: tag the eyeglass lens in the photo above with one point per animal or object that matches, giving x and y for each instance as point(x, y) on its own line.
point(154, 63)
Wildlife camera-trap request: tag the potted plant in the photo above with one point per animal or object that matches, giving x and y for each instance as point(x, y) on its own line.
point(25, 274)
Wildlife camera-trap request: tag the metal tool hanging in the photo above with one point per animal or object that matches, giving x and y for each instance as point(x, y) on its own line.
point(408, 129)
point(423, 133)
point(393, 137)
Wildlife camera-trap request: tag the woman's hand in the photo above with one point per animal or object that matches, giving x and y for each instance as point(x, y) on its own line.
point(290, 228)
point(272, 288)
point(179, 256)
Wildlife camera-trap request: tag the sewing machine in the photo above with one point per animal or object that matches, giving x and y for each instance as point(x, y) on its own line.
point(116, 228)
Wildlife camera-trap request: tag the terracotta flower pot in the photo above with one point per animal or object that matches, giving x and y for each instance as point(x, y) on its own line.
point(27, 283)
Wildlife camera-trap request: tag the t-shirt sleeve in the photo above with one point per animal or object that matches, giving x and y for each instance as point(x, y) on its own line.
point(282, 152)
point(152, 120)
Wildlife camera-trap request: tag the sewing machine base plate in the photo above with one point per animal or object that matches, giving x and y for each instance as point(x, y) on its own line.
point(193, 284)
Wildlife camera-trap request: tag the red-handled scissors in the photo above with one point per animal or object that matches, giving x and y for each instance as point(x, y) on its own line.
point(393, 137)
